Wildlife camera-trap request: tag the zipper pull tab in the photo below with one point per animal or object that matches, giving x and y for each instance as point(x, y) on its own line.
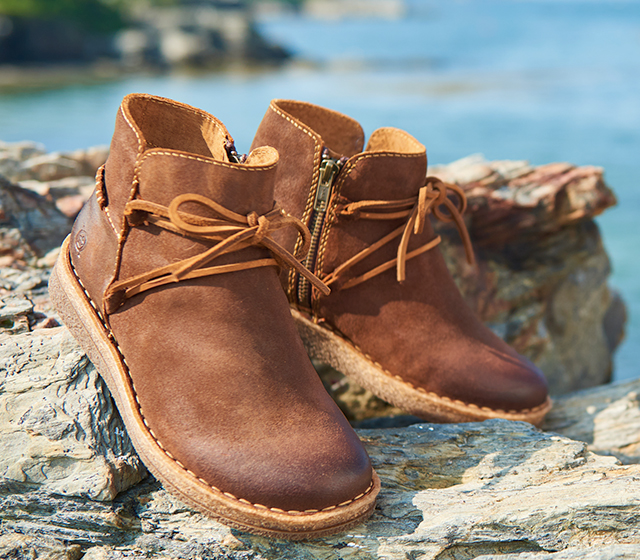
point(328, 171)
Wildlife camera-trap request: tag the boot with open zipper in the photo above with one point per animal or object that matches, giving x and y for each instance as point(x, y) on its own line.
point(395, 321)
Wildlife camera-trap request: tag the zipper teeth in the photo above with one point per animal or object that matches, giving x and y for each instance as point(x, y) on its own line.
point(316, 223)
point(309, 261)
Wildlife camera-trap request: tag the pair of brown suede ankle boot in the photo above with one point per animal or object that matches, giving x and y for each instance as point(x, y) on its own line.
point(169, 281)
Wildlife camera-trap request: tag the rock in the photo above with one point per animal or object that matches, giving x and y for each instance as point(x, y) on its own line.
point(89, 159)
point(607, 418)
point(30, 225)
point(35, 216)
point(14, 314)
point(620, 552)
point(195, 34)
point(59, 429)
point(48, 167)
point(449, 492)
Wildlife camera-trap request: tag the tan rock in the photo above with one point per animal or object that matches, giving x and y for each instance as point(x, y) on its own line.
point(58, 427)
point(606, 418)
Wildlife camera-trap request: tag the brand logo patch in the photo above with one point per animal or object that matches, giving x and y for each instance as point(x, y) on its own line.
point(81, 240)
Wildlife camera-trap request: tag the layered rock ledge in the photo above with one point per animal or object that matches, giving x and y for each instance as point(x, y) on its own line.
point(72, 486)
point(495, 489)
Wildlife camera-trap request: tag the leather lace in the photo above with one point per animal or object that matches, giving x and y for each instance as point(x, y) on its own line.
point(430, 198)
point(232, 231)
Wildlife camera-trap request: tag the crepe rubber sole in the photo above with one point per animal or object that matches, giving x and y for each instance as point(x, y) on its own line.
point(329, 347)
point(84, 321)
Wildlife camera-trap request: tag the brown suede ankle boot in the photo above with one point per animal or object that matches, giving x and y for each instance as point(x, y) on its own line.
point(169, 282)
point(395, 321)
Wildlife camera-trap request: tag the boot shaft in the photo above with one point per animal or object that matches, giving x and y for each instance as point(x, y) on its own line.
point(323, 166)
point(160, 150)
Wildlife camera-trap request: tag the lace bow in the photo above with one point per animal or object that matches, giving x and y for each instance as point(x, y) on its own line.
point(430, 198)
point(233, 232)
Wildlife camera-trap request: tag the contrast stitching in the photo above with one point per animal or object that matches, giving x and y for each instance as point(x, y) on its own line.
point(314, 183)
point(136, 169)
point(338, 190)
point(210, 162)
point(191, 110)
point(134, 184)
point(104, 207)
point(294, 123)
point(168, 454)
point(323, 324)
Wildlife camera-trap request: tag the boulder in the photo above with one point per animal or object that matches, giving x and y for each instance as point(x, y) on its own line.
point(59, 429)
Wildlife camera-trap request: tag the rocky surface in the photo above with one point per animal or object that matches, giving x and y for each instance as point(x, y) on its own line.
point(71, 485)
point(40, 194)
point(495, 489)
point(58, 426)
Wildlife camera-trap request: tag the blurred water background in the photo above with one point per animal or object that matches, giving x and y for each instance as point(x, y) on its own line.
point(541, 80)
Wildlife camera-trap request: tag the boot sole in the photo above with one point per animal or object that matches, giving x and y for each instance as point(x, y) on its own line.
point(329, 347)
point(83, 320)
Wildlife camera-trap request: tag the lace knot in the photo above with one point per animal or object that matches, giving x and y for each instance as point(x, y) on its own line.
point(230, 230)
point(430, 198)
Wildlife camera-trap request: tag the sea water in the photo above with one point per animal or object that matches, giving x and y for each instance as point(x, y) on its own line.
point(543, 80)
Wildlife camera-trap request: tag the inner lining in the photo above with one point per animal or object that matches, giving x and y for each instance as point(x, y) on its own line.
point(179, 128)
point(391, 139)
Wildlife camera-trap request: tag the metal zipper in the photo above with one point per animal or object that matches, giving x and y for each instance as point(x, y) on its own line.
point(329, 170)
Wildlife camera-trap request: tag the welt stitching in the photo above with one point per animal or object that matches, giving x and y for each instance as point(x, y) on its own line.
point(166, 452)
point(325, 325)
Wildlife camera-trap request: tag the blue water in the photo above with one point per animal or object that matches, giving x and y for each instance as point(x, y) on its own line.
point(539, 80)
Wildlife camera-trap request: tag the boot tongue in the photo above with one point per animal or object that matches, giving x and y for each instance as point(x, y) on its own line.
point(241, 188)
point(393, 167)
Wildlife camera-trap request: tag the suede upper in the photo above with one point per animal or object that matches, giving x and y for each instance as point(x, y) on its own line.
point(220, 374)
point(419, 330)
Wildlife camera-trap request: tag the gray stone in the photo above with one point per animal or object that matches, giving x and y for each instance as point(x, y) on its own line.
point(30, 225)
point(14, 314)
point(48, 167)
point(607, 418)
point(449, 492)
point(618, 552)
point(58, 425)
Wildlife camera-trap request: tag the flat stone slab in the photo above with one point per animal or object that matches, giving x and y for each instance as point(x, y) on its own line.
point(495, 489)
